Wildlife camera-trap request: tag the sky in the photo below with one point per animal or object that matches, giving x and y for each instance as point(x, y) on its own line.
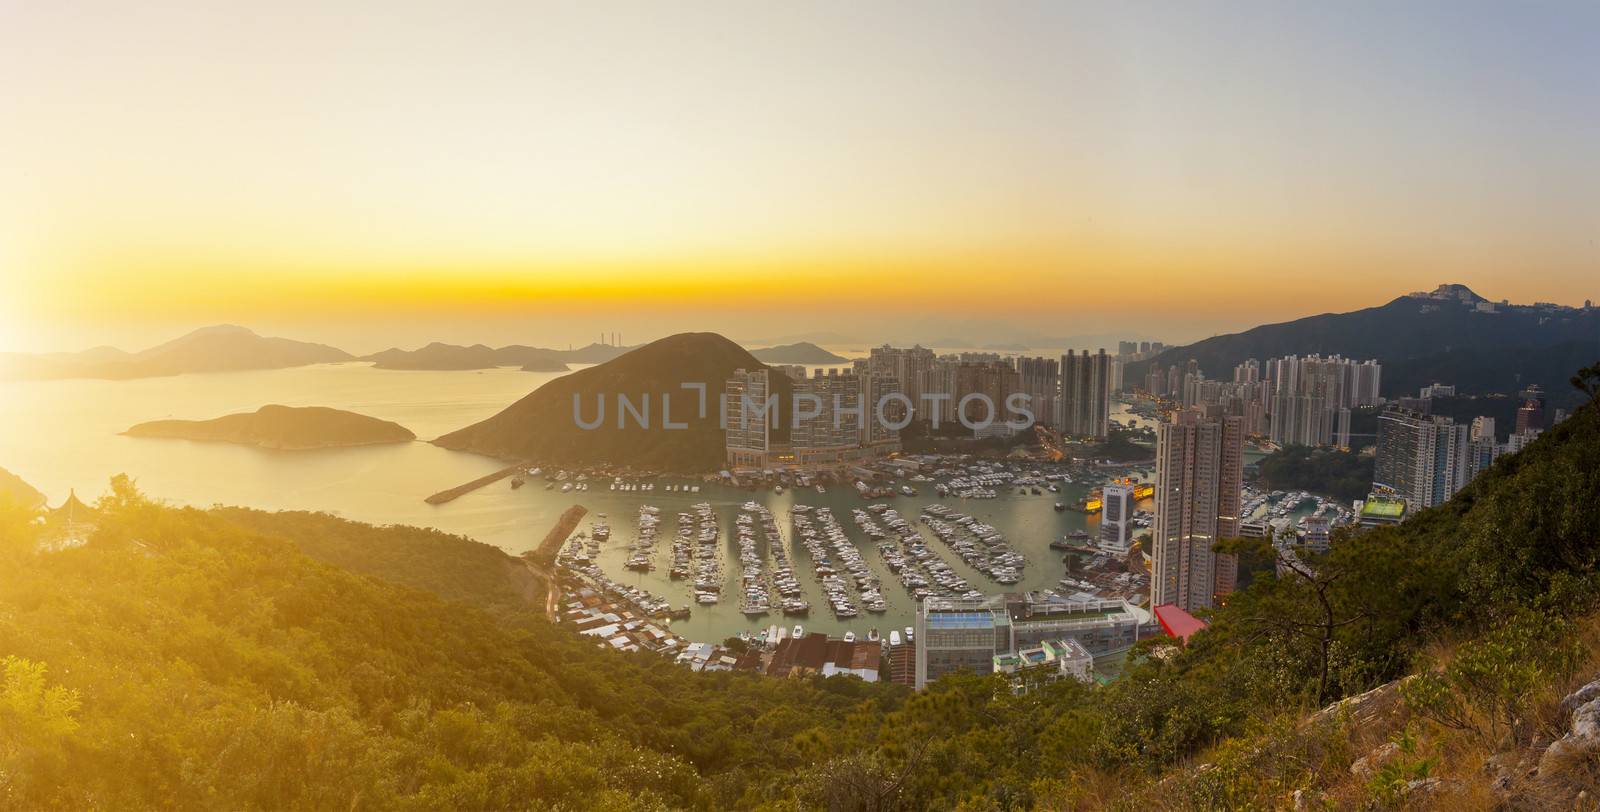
point(377, 175)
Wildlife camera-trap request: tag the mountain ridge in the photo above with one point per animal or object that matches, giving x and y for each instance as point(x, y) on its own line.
point(218, 348)
point(441, 356)
point(800, 352)
point(1411, 328)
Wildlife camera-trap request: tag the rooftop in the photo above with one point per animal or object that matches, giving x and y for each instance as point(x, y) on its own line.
point(1383, 508)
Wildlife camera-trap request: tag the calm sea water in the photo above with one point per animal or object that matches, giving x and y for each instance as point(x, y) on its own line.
point(63, 435)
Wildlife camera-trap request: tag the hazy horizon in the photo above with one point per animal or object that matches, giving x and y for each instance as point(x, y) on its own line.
point(368, 338)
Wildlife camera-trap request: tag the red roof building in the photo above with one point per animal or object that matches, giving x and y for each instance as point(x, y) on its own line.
point(1178, 623)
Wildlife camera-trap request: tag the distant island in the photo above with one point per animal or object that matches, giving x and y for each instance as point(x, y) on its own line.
point(12, 487)
point(541, 426)
point(440, 356)
point(282, 428)
point(223, 348)
point(803, 352)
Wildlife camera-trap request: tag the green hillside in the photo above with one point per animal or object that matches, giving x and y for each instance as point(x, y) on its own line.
point(204, 659)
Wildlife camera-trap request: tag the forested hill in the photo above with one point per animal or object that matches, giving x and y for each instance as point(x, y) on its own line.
point(1419, 341)
point(202, 659)
point(543, 426)
point(199, 660)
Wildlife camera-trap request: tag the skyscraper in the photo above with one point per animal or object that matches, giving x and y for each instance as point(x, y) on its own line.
point(1199, 477)
point(749, 421)
point(1421, 458)
point(908, 366)
point(1085, 407)
point(1307, 394)
point(996, 381)
point(1041, 380)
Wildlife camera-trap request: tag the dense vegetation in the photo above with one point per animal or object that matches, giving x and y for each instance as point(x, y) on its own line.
point(1342, 474)
point(1120, 446)
point(543, 427)
point(284, 428)
point(200, 659)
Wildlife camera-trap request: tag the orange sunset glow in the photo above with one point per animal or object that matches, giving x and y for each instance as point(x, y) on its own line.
point(1083, 162)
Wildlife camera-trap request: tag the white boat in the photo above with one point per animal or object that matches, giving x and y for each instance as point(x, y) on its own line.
point(799, 631)
point(911, 635)
point(849, 637)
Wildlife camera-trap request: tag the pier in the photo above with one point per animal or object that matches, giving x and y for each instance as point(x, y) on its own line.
point(545, 553)
point(462, 490)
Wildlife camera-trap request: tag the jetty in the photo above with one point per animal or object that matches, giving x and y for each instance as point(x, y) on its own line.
point(462, 490)
point(546, 552)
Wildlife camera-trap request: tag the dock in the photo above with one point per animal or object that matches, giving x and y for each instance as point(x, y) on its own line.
point(462, 490)
point(545, 553)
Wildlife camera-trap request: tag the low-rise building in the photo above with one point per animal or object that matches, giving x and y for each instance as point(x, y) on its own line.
point(1049, 661)
point(958, 634)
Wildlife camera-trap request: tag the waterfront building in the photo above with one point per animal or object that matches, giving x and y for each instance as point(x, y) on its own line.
point(1318, 533)
point(958, 634)
point(1116, 517)
point(748, 438)
point(1199, 481)
point(832, 420)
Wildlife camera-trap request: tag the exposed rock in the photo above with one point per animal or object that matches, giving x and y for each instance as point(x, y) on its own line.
point(1582, 742)
point(1363, 707)
point(1582, 696)
point(1370, 763)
